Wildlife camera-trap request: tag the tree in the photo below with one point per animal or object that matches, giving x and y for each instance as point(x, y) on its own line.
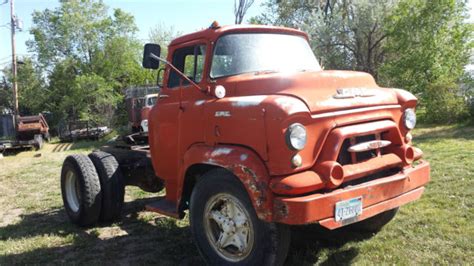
point(77, 29)
point(31, 90)
point(344, 34)
point(88, 57)
point(429, 44)
point(162, 34)
point(240, 9)
point(418, 45)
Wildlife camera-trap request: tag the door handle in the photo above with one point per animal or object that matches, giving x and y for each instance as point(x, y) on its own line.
point(163, 96)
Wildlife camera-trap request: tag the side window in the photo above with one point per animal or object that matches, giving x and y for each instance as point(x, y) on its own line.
point(190, 61)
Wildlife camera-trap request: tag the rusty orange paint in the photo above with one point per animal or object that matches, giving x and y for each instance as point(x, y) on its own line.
point(187, 127)
point(377, 208)
point(318, 207)
point(297, 184)
point(244, 164)
point(144, 112)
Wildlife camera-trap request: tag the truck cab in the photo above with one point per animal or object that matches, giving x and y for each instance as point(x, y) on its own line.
point(251, 135)
point(308, 145)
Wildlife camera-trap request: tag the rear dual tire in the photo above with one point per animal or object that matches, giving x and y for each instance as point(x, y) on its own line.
point(112, 184)
point(80, 187)
point(92, 188)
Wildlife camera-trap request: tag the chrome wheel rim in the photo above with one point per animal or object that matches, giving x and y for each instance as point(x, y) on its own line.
point(73, 191)
point(228, 227)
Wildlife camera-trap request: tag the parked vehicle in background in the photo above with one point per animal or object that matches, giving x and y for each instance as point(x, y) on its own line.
point(23, 132)
point(250, 135)
point(150, 101)
point(82, 129)
point(139, 101)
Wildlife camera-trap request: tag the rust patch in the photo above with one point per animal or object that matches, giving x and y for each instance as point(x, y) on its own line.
point(281, 210)
point(257, 189)
point(279, 186)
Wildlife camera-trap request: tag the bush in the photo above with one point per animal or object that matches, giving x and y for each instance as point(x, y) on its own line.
point(444, 103)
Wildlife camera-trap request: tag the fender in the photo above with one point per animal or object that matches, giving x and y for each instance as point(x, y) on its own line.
point(244, 163)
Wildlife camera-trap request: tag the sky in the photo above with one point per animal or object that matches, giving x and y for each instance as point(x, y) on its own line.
point(184, 15)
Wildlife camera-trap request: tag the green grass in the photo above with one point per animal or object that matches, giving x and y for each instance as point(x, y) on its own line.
point(437, 229)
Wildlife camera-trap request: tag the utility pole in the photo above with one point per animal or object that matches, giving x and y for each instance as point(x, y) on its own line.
point(14, 66)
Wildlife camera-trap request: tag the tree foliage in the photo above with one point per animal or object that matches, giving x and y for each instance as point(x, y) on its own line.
point(418, 45)
point(429, 45)
point(162, 34)
point(88, 57)
point(32, 93)
point(6, 102)
point(344, 34)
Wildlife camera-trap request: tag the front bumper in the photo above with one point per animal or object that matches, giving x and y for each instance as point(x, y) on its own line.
point(377, 196)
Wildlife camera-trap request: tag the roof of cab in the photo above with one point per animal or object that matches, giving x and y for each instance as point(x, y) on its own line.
point(213, 33)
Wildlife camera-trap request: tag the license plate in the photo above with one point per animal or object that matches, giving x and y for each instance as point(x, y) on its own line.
point(348, 209)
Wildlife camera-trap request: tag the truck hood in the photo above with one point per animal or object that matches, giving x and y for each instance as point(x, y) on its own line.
point(321, 91)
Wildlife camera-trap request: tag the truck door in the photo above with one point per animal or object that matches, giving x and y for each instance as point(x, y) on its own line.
point(176, 122)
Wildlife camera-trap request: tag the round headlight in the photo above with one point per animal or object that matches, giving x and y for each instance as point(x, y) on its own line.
point(296, 136)
point(409, 118)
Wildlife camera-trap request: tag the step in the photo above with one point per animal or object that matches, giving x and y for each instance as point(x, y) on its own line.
point(165, 207)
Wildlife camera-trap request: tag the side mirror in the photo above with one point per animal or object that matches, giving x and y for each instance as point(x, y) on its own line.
point(148, 61)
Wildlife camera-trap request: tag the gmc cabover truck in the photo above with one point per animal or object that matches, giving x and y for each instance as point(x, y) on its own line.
point(250, 135)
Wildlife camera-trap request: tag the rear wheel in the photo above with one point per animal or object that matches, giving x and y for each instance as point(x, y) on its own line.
point(47, 137)
point(80, 189)
point(226, 228)
point(375, 223)
point(38, 142)
point(112, 184)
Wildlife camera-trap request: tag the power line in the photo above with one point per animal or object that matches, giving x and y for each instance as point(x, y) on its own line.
point(10, 55)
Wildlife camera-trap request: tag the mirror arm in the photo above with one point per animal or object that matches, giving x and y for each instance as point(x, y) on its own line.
point(152, 55)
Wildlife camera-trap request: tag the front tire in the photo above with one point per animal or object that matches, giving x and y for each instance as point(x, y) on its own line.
point(226, 228)
point(80, 187)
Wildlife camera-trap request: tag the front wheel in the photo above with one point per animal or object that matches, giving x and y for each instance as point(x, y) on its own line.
point(226, 228)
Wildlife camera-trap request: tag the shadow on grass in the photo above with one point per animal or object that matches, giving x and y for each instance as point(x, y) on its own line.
point(149, 242)
point(139, 242)
point(449, 132)
point(16, 151)
point(79, 145)
point(87, 144)
point(307, 242)
point(159, 242)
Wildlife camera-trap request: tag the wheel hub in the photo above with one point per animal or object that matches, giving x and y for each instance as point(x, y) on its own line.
point(73, 192)
point(228, 227)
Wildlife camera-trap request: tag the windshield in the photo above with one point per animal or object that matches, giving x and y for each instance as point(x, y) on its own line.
point(151, 101)
point(261, 52)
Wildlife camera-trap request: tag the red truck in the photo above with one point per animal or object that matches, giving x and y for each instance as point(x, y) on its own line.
point(139, 101)
point(250, 135)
